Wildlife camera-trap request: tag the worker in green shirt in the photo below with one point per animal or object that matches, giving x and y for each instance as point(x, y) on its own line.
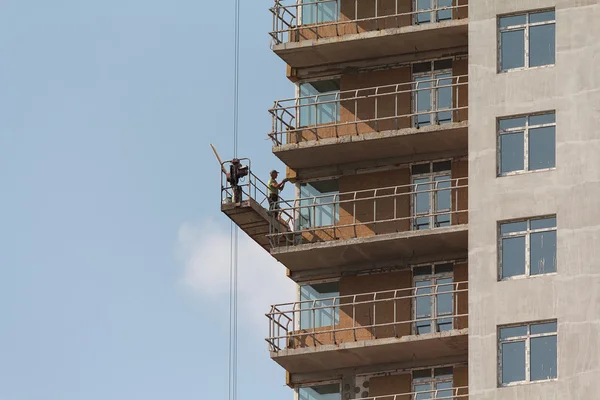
point(274, 188)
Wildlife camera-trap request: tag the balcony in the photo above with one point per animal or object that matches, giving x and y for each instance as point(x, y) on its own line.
point(334, 31)
point(250, 212)
point(461, 392)
point(425, 117)
point(427, 217)
point(409, 326)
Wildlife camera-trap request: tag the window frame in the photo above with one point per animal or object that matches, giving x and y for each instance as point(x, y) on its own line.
point(433, 297)
point(432, 201)
point(525, 129)
point(526, 27)
point(527, 338)
point(298, 323)
point(299, 107)
point(527, 234)
point(315, 384)
point(432, 380)
point(433, 14)
point(434, 101)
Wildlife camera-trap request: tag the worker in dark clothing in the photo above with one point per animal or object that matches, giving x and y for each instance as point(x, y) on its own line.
point(236, 171)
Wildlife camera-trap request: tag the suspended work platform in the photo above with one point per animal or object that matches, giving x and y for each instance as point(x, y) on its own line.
point(251, 213)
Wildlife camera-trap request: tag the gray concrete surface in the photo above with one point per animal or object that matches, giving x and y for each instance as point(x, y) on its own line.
point(572, 296)
point(373, 44)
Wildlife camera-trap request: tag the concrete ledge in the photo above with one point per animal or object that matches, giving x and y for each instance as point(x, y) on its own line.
point(411, 351)
point(374, 44)
point(373, 249)
point(375, 145)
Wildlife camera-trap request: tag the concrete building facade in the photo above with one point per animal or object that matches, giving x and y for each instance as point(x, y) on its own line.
point(442, 232)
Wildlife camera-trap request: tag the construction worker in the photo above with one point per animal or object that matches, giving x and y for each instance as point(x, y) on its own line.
point(274, 188)
point(236, 172)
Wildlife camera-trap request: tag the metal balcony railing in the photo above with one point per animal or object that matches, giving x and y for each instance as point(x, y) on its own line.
point(460, 392)
point(372, 109)
point(366, 316)
point(325, 18)
point(252, 187)
point(370, 212)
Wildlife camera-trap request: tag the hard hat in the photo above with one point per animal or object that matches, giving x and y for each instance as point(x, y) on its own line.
point(274, 171)
point(235, 161)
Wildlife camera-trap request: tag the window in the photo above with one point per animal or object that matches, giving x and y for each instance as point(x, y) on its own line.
point(434, 302)
point(528, 247)
point(319, 102)
point(319, 204)
point(319, 305)
point(433, 12)
point(432, 93)
point(320, 392)
point(526, 143)
point(433, 383)
point(527, 40)
point(317, 11)
point(527, 353)
point(432, 199)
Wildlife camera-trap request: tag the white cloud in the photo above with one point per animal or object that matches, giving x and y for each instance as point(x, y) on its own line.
point(204, 248)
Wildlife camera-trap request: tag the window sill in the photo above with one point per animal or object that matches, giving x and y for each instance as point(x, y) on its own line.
point(516, 173)
point(522, 277)
point(522, 383)
point(507, 71)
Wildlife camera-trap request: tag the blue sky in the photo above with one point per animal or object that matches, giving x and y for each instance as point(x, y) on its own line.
point(114, 255)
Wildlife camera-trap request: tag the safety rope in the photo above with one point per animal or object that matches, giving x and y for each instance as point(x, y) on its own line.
point(233, 260)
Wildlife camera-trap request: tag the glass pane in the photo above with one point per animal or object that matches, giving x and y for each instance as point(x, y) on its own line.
point(542, 45)
point(543, 358)
point(512, 54)
point(548, 327)
point(327, 109)
point(512, 227)
point(444, 98)
point(444, 394)
point(542, 119)
point(324, 392)
point(444, 14)
point(323, 12)
point(443, 195)
point(544, 223)
point(423, 195)
point(509, 123)
point(513, 20)
point(426, 16)
point(423, 97)
point(513, 362)
point(513, 331)
point(543, 253)
point(542, 16)
point(513, 257)
point(542, 148)
point(327, 11)
point(423, 306)
point(444, 372)
point(422, 223)
point(423, 392)
point(317, 305)
point(445, 303)
point(512, 149)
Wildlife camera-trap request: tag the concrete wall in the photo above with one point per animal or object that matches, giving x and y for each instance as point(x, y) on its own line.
point(352, 10)
point(572, 88)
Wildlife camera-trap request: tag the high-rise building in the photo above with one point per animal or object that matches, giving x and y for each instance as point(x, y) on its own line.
point(444, 231)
